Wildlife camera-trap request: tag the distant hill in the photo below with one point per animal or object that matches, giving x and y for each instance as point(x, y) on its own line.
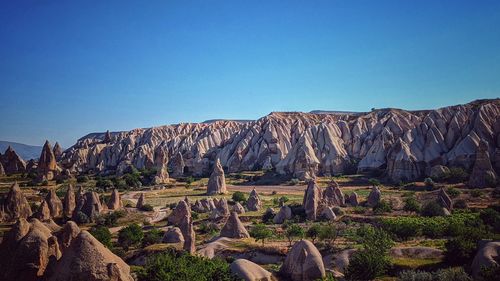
point(27, 152)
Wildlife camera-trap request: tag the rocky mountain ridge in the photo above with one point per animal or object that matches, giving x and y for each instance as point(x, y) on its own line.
point(404, 145)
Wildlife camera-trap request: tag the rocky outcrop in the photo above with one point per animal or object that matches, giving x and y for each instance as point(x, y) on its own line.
point(87, 259)
point(55, 204)
point(160, 163)
point(403, 144)
point(303, 263)
point(445, 200)
point(181, 211)
point(12, 163)
point(312, 200)
point(328, 214)
point(438, 171)
point(58, 151)
point(238, 208)
point(234, 228)
point(69, 202)
point(353, 199)
point(217, 180)
point(173, 235)
point(483, 174)
point(486, 257)
point(254, 203)
point(115, 201)
point(2, 170)
point(333, 196)
point(47, 163)
point(249, 271)
point(223, 207)
point(188, 233)
point(43, 212)
point(141, 201)
point(285, 213)
point(16, 206)
point(374, 197)
point(69, 233)
point(90, 205)
point(177, 165)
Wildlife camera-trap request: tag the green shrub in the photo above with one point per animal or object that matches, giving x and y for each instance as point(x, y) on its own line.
point(382, 207)
point(452, 274)
point(147, 208)
point(130, 236)
point(239, 196)
point(293, 231)
point(151, 237)
point(476, 193)
point(460, 204)
point(313, 231)
point(461, 249)
point(429, 182)
point(432, 209)
point(491, 218)
point(81, 218)
point(102, 234)
point(294, 181)
point(328, 233)
point(261, 232)
point(411, 205)
point(359, 210)
point(82, 179)
point(455, 175)
point(453, 192)
point(374, 182)
point(104, 184)
point(415, 275)
point(175, 266)
point(267, 217)
point(110, 219)
point(490, 273)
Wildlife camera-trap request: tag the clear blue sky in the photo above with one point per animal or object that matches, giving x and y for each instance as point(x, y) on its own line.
point(68, 68)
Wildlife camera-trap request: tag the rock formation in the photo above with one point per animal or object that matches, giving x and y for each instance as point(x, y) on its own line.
point(188, 233)
point(173, 235)
point(285, 213)
point(16, 206)
point(87, 259)
point(177, 165)
point(223, 207)
point(107, 137)
point(69, 233)
point(249, 271)
point(238, 208)
point(486, 256)
point(55, 204)
point(69, 203)
point(160, 163)
point(47, 164)
point(12, 163)
point(217, 180)
point(303, 263)
point(43, 212)
point(353, 199)
point(2, 170)
point(89, 204)
point(254, 203)
point(329, 214)
point(181, 210)
point(234, 228)
point(374, 197)
point(333, 196)
point(438, 171)
point(445, 200)
point(141, 201)
point(483, 174)
point(115, 202)
point(312, 198)
point(57, 151)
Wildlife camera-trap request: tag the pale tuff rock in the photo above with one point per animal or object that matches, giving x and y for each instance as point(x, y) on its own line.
point(181, 210)
point(254, 203)
point(303, 262)
point(173, 235)
point(89, 204)
point(329, 214)
point(234, 228)
point(141, 201)
point(270, 213)
point(47, 164)
point(445, 200)
point(43, 212)
point(249, 271)
point(107, 137)
point(70, 231)
point(312, 198)
point(217, 181)
point(16, 206)
point(177, 165)
point(2, 170)
point(238, 208)
point(160, 163)
point(438, 171)
point(188, 233)
point(207, 204)
point(285, 213)
point(52, 225)
point(12, 163)
point(57, 150)
point(353, 199)
point(483, 174)
point(115, 202)
point(223, 207)
point(69, 202)
point(54, 203)
point(87, 259)
point(333, 196)
point(404, 144)
point(486, 256)
point(374, 197)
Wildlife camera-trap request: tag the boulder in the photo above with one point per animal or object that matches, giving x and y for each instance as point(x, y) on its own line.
point(238, 208)
point(483, 175)
point(177, 165)
point(438, 171)
point(178, 214)
point(333, 196)
point(285, 213)
point(312, 198)
point(43, 212)
point(234, 228)
point(16, 206)
point(58, 151)
point(353, 199)
point(115, 202)
point(173, 235)
point(374, 197)
point(69, 203)
point(217, 180)
point(55, 204)
point(47, 164)
point(303, 263)
point(329, 214)
point(249, 271)
point(487, 256)
point(87, 259)
point(254, 203)
point(12, 163)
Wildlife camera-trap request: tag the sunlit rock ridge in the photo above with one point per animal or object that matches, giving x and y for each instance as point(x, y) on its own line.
point(403, 145)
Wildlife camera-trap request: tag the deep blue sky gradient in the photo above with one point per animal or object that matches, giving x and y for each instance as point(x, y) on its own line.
point(68, 68)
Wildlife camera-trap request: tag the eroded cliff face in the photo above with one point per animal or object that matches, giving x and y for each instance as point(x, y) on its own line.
point(402, 144)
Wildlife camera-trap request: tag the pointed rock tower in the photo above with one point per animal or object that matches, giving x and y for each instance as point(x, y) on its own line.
point(483, 175)
point(47, 164)
point(69, 203)
point(16, 206)
point(312, 198)
point(217, 181)
point(160, 162)
point(57, 150)
point(234, 228)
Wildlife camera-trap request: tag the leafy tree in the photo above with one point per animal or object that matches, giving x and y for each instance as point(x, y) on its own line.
point(313, 231)
point(82, 179)
point(130, 236)
point(110, 219)
point(239, 196)
point(382, 207)
point(328, 233)
point(293, 231)
point(102, 234)
point(104, 183)
point(151, 237)
point(261, 232)
point(432, 209)
point(490, 273)
point(411, 205)
point(176, 266)
point(373, 259)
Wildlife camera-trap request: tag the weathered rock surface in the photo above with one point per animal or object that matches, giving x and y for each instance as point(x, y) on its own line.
point(47, 163)
point(89, 204)
point(486, 256)
point(404, 144)
point(249, 271)
point(181, 211)
point(160, 162)
point(329, 214)
point(12, 163)
point(87, 259)
point(312, 200)
point(438, 171)
point(238, 208)
point(188, 233)
point(177, 165)
point(333, 196)
point(217, 180)
point(285, 213)
point(445, 200)
point(223, 207)
point(374, 197)
point(353, 199)
point(69, 202)
point(254, 203)
point(2, 170)
point(173, 235)
point(43, 212)
point(57, 150)
point(141, 201)
point(70, 232)
point(115, 201)
point(303, 262)
point(483, 175)
point(55, 204)
point(16, 206)
point(234, 228)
